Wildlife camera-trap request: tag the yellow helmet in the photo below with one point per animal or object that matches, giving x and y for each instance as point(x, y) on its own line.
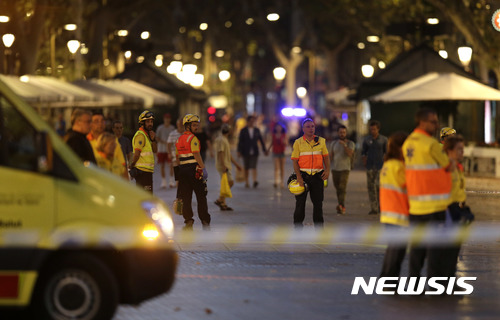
point(445, 132)
point(190, 118)
point(295, 188)
point(146, 115)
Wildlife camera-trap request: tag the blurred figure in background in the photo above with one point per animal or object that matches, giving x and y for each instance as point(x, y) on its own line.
point(76, 137)
point(124, 142)
point(172, 139)
point(223, 160)
point(106, 157)
point(205, 143)
point(279, 141)
point(341, 156)
point(162, 133)
point(373, 150)
point(248, 148)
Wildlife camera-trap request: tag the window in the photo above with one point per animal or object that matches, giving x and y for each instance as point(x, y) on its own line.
point(17, 139)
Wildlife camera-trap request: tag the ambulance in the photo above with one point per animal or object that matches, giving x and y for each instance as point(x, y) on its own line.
point(75, 240)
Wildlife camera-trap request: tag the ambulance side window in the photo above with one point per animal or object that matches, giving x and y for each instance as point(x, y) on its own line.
point(17, 139)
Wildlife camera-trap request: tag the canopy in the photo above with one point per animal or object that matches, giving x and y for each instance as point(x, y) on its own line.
point(439, 86)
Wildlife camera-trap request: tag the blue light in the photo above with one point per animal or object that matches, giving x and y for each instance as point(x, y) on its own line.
point(293, 112)
point(345, 116)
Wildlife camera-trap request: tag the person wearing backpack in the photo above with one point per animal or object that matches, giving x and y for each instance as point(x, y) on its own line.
point(341, 157)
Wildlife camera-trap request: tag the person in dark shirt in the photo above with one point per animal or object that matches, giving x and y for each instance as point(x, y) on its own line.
point(76, 137)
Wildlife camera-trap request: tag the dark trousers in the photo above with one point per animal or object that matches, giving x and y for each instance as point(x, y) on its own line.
point(340, 182)
point(187, 184)
point(315, 187)
point(144, 180)
point(439, 257)
point(394, 256)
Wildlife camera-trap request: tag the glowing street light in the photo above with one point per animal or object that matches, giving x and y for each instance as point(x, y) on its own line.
point(273, 17)
point(301, 92)
point(465, 55)
point(8, 39)
point(224, 75)
point(73, 46)
point(279, 73)
point(145, 35)
point(367, 70)
point(443, 54)
point(4, 19)
point(174, 67)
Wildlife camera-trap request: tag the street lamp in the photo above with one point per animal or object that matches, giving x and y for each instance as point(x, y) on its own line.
point(367, 70)
point(465, 55)
point(224, 75)
point(279, 73)
point(8, 40)
point(73, 46)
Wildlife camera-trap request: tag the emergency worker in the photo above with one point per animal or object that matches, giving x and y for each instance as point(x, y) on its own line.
point(144, 144)
point(394, 202)
point(428, 179)
point(312, 166)
point(190, 173)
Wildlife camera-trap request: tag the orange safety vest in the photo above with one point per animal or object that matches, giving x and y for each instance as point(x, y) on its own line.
point(428, 182)
point(186, 146)
point(394, 207)
point(310, 154)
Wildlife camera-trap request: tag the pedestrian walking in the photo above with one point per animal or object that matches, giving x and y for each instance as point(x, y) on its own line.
point(76, 137)
point(145, 146)
point(106, 158)
point(279, 141)
point(163, 156)
point(394, 207)
point(248, 148)
point(428, 179)
point(341, 156)
point(372, 152)
point(223, 161)
point(171, 141)
point(124, 142)
point(191, 176)
point(312, 166)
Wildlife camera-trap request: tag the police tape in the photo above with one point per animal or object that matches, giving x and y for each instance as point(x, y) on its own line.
point(362, 234)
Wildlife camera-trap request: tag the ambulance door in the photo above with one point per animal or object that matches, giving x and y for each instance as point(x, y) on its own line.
point(26, 191)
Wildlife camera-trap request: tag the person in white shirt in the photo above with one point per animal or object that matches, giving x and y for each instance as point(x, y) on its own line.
point(162, 133)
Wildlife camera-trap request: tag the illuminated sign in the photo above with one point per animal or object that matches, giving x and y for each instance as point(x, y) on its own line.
point(495, 20)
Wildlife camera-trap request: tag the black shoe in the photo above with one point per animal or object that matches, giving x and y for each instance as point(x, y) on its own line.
point(255, 184)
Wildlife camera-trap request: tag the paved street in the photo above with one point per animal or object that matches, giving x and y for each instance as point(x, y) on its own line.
point(227, 280)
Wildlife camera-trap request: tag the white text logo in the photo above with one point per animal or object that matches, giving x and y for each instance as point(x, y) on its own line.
point(414, 285)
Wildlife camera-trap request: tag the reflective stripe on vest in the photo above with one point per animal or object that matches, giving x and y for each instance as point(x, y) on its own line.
point(146, 160)
point(394, 205)
point(183, 146)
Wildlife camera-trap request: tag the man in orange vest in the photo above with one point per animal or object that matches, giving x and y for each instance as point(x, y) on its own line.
point(312, 166)
point(428, 179)
point(190, 173)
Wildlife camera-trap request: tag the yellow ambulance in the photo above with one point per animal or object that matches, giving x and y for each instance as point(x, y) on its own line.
point(75, 241)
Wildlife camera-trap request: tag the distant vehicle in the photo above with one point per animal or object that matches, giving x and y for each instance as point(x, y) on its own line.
point(75, 240)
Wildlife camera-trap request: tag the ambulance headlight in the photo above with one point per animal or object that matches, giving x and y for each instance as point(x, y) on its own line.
point(161, 218)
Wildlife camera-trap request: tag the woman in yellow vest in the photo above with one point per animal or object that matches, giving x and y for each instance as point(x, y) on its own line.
point(106, 158)
point(457, 211)
point(394, 202)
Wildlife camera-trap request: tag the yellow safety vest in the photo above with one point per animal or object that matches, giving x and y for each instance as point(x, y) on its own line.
point(428, 182)
point(146, 160)
point(393, 197)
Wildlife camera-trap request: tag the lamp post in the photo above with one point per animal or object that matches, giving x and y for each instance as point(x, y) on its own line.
point(73, 46)
point(8, 41)
point(465, 55)
point(367, 70)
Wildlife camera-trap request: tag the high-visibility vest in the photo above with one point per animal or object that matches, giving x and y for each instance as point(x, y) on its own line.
point(310, 154)
point(458, 185)
point(146, 160)
point(186, 146)
point(427, 180)
point(394, 207)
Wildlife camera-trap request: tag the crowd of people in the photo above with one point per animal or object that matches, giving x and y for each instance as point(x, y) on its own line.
point(412, 179)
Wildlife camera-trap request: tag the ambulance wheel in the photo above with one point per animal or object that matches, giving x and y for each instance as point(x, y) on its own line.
point(78, 286)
